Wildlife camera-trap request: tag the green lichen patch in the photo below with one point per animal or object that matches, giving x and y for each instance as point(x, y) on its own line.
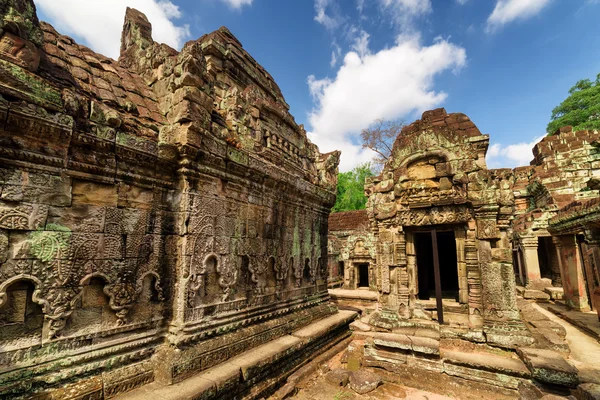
point(19, 82)
point(50, 244)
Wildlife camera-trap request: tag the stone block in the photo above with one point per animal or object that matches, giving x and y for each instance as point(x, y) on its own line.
point(134, 196)
point(23, 216)
point(338, 377)
point(363, 381)
point(555, 293)
point(588, 391)
point(79, 218)
point(93, 193)
point(539, 284)
point(548, 366)
point(535, 294)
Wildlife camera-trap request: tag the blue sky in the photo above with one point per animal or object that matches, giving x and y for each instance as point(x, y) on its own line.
point(341, 64)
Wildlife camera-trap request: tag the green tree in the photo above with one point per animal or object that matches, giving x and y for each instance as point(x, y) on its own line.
point(581, 109)
point(350, 189)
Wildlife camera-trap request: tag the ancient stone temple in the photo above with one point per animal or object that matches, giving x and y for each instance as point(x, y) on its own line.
point(549, 246)
point(159, 215)
point(351, 250)
point(436, 202)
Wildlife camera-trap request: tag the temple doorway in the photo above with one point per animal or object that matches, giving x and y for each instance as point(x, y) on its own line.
point(448, 265)
point(363, 275)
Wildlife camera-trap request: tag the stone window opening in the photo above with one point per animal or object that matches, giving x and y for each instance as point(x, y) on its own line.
point(548, 260)
point(341, 269)
point(211, 289)
point(289, 278)
point(306, 272)
point(150, 294)
point(245, 278)
point(19, 307)
point(92, 294)
point(271, 282)
point(363, 275)
point(92, 309)
point(448, 265)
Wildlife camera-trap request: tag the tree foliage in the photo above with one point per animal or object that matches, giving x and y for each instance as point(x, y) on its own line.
point(350, 189)
point(581, 109)
point(380, 137)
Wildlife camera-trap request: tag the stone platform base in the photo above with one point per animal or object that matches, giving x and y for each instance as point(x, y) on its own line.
point(257, 372)
point(533, 294)
point(354, 298)
point(555, 293)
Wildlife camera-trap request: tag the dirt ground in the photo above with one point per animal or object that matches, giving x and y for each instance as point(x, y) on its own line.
point(316, 387)
point(585, 351)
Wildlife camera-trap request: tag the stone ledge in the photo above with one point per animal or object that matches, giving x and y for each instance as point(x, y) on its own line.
point(549, 366)
point(587, 322)
point(487, 361)
point(345, 294)
point(228, 375)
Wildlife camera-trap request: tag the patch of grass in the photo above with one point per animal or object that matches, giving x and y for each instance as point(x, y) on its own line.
point(342, 395)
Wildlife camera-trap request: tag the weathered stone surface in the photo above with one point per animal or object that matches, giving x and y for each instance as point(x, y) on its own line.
point(364, 381)
point(151, 226)
point(338, 377)
point(549, 366)
point(360, 326)
point(588, 391)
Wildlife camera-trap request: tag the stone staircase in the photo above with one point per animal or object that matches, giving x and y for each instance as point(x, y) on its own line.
point(412, 348)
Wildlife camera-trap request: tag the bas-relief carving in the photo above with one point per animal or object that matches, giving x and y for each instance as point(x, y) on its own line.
point(166, 199)
point(434, 216)
point(438, 175)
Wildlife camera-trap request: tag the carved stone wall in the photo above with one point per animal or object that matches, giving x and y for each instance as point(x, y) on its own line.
point(563, 171)
point(437, 178)
point(158, 214)
point(350, 244)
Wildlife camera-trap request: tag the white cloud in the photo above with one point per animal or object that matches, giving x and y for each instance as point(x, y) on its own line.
point(388, 84)
point(512, 155)
point(361, 44)
point(328, 21)
point(405, 11)
point(100, 22)
point(509, 10)
point(462, 2)
point(237, 4)
point(336, 53)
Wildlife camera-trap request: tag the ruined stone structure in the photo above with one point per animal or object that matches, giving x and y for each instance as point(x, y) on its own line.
point(538, 222)
point(563, 173)
point(576, 232)
point(437, 183)
point(351, 250)
point(158, 216)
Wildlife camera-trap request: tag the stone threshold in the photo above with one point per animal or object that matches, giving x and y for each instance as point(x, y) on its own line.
point(348, 294)
point(237, 375)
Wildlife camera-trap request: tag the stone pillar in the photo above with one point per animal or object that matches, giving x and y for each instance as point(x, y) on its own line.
point(592, 239)
point(571, 267)
point(463, 287)
point(411, 267)
point(531, 260)
point(473, 281)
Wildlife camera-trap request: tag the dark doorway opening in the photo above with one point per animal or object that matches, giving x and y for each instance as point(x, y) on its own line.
point(363, 275)
point(448, 265)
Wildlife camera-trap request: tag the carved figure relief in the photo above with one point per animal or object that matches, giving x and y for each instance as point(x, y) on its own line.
point(434, 216)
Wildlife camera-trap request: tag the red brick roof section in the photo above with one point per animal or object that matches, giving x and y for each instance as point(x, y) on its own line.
point(348, 220)
point(93, 76)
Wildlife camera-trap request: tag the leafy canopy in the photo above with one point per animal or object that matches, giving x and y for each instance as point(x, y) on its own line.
point(350, 189)
point(581, 109)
